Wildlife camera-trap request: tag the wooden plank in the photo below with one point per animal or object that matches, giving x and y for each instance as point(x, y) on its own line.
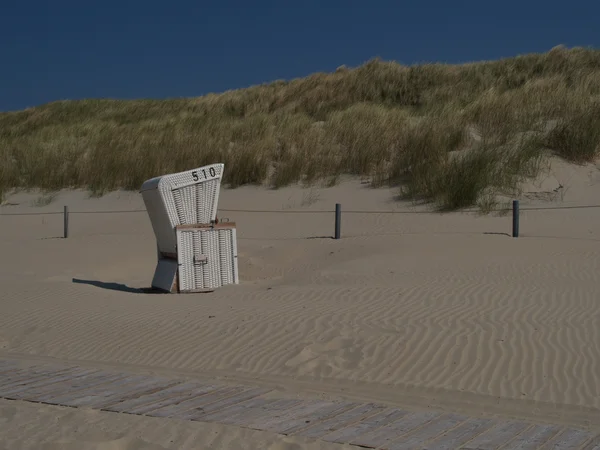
point(395, 430)
point(569, 439)
point(352, 432)
point(31, 392)
point(237, 409)
point(456, 437)
point(124, 405)
point(41, 380)
point(501, 434)
point(172, 400)
point(127, 391)
point(199, 401)
point(326, 412)
point(594, 444)
point(268, 411)
point(199, 413)
point(299, 415)
point(341, 421)
point(11, 378)
point(533, 438)
point(428, 432)
point(25, 384)
point(246, 408)
point(304, 407)
point(88, 397)
point(54, 396)
point(87, 387)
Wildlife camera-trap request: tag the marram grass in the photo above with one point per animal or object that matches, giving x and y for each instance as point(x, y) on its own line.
point(453, 135)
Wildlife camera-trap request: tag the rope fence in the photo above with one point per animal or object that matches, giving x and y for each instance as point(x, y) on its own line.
point(291, 211)
point(516, 210)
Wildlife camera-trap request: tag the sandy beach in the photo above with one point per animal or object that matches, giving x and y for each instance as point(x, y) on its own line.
point(415, 309)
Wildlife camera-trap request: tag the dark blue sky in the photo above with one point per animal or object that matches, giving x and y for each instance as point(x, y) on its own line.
point(53, 50)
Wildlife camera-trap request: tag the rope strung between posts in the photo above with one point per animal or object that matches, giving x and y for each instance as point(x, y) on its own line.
point(291, 211)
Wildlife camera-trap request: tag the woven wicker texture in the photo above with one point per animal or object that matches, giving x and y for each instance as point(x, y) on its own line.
point(207, 258)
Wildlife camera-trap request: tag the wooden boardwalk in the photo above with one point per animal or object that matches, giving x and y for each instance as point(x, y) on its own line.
point(367, 425)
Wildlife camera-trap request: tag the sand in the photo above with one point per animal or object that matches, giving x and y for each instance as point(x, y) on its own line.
point(416, 310)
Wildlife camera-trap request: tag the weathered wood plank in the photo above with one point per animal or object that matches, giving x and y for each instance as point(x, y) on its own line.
point(428, 432)
point(126, 391)
point(123, 405)
point(41, 378)
point(199, 413)
point(395, 430)
point(17, 376)
point(31, 392)
point(533, 438)
point(569, 439)
point(496, 436)
point(456, 437)
point(268, 411)
point(172, 400)
point(89, 397)
point(232, 411)
point(24, 384)
point(326, 413)
point(88, 386)
point(294, 418)
point(199, 401)
point(70, 387)
point(594, 444)
point(303, 408)
point(340, 421)
point(14, 376)
point(243, 409)
point(131, 391)
point(210, 400)
point(352, 432)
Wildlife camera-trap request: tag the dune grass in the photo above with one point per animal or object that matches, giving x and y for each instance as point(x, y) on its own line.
point(454, 135)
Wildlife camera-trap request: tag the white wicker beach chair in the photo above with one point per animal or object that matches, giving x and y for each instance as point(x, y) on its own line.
point(195, 254)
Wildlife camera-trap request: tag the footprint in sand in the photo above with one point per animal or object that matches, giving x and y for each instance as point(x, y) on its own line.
point(327, 358)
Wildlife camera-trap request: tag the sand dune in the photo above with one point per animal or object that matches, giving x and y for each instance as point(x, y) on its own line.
point(419, 310)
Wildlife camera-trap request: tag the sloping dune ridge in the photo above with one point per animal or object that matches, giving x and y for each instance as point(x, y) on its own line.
point(422, 310)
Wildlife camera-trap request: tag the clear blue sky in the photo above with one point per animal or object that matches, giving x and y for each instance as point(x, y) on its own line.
point(53, 50)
